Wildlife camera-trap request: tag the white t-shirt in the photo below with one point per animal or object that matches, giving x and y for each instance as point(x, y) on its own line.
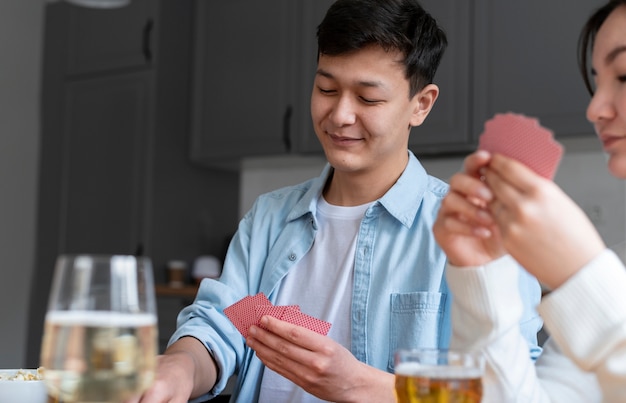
point(321, 284)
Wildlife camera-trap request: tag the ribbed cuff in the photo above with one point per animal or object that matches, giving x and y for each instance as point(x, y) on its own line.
point(480, 294)
point(481, 286)
point(582, 313)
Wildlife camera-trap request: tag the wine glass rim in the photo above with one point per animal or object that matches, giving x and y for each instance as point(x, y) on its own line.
point(101, 256)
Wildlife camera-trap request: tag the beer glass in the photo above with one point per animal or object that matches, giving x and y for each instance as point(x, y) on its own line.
point(442, 376)
point(100, 334)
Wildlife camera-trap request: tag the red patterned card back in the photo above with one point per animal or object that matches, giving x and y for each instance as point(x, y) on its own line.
point(523, 139)
point(243, 312)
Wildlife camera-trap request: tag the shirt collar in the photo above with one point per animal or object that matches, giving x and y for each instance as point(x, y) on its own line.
point(405, 197)
point(402, 201)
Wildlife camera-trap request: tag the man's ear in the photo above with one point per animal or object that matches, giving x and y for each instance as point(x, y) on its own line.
point(424, 101)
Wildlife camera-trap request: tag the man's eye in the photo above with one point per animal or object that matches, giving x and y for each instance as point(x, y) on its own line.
point(370, 101)
point(326, 91)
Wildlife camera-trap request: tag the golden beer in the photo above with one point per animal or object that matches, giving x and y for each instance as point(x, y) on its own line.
point(438, 376)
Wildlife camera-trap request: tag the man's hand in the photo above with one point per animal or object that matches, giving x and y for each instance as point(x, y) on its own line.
point(185, 370)
point(318, 364)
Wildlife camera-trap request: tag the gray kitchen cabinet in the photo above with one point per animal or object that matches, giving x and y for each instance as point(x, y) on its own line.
point(446, 127)
point(104, 166)
point(254, 74)
point(100, 40)
point(525, 62)
point(502, 56)
point(115, 174)
point(95, 143)
point(311, 13)
point(243, 79)
point(98, 112)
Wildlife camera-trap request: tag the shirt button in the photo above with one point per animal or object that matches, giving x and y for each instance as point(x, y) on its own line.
point(292, 257)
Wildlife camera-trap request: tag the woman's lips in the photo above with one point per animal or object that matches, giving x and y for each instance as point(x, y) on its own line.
point(608, 141)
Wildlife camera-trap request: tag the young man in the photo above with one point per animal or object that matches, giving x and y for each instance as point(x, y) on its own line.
point(352, 247)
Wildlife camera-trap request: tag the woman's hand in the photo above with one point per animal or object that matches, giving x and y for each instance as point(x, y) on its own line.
point(541, 227)
point(464, 228)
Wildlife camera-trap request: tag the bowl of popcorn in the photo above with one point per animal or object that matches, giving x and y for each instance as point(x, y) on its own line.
point(22, 385)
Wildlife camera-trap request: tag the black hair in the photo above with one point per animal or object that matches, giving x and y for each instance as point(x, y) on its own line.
point(587, 38)
point(350, 25)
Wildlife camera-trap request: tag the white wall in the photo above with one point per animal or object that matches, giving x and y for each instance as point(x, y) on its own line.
point(21, 24)
point(582, 174)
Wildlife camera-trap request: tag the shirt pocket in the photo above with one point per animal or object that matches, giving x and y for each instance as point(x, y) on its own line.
point(416, 321)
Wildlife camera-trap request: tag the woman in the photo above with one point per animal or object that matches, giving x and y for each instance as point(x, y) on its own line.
point(498, 211)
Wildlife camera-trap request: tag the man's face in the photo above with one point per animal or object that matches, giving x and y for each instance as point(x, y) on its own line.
point(361, 110)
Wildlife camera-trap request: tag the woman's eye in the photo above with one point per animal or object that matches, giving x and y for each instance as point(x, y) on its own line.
point(621, 79)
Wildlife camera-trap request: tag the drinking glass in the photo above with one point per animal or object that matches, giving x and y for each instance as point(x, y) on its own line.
point(442, 376)
point(100, 334)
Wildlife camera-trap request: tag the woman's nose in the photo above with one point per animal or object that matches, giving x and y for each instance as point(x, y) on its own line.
point(601, 106)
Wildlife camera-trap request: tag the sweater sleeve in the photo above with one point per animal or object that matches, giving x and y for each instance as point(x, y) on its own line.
point(485, 315)
point(586, 316)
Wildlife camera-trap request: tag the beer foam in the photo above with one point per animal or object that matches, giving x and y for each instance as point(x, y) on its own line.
point(100, 318)
point(437, 372)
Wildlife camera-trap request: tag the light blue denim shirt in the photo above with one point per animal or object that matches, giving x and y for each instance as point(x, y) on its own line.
point(400, 298)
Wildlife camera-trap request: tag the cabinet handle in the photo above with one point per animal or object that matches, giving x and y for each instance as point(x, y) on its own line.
point(147, 35)
point(287, 128)
point(139, 250)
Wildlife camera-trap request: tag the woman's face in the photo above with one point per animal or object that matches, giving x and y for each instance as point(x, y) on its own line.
point(607, 109)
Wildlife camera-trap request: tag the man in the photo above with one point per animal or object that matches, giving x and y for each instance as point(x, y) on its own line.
point(352, 247)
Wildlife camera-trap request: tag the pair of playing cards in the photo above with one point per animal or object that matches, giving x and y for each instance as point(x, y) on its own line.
point(523, 139)
point(249, 310)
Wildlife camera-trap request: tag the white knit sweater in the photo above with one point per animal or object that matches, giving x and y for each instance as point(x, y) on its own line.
point(586, 318)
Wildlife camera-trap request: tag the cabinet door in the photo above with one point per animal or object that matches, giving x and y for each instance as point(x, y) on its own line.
point(310, 14)
point(99, 40)
point(243, 79)
point(447, 126)
point(525, 62)
point(106, 141)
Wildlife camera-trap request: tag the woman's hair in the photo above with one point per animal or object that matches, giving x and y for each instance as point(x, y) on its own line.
point(350, 25)
point(587, 38)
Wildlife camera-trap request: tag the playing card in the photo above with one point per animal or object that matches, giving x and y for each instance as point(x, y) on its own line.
point(523, 139)
point(302, 319)
point(276, 311)
point(249, 310)
point(243, 312)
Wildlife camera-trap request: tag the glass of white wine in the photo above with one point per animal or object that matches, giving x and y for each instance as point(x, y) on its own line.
point(100, 335)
